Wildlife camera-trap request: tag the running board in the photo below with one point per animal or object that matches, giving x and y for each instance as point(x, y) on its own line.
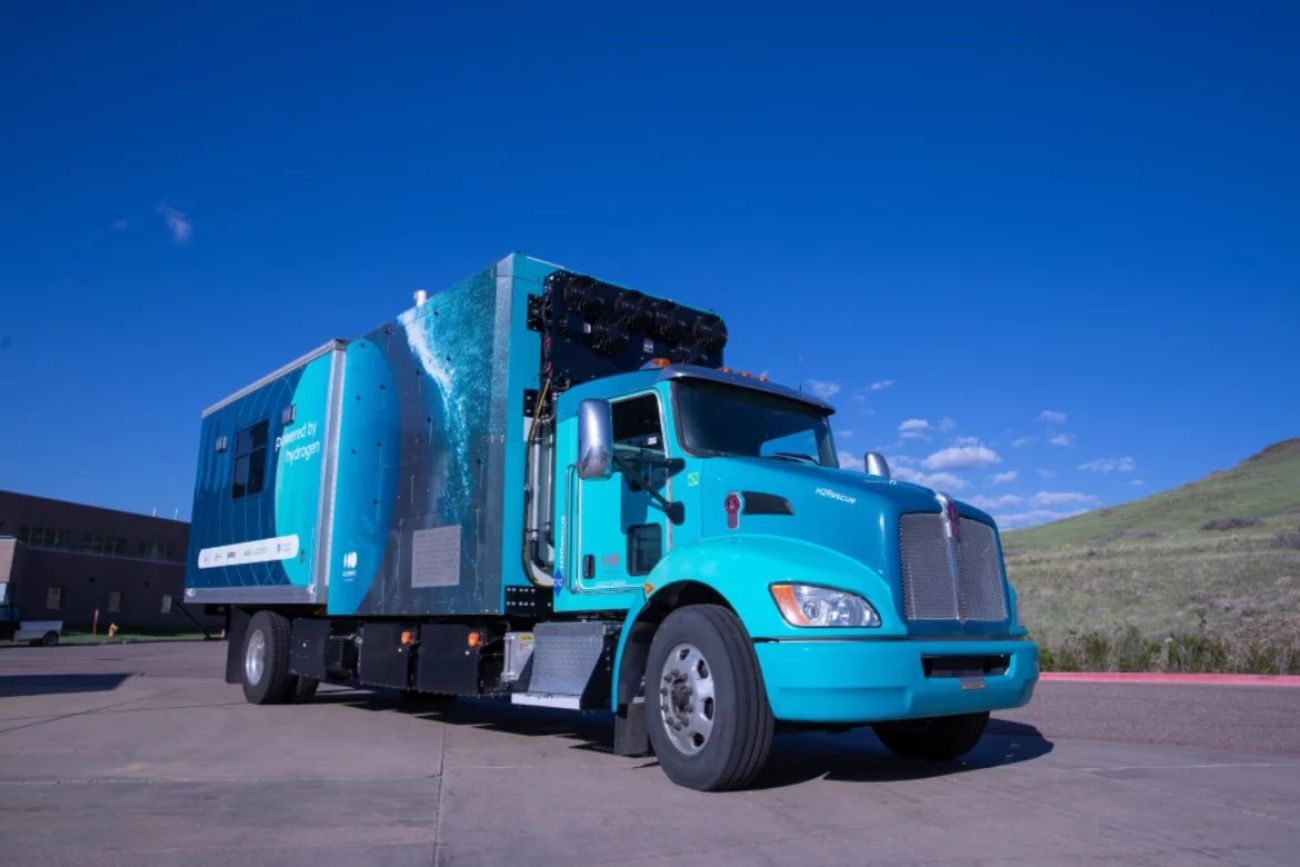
point(571, 665)
point(544, 699)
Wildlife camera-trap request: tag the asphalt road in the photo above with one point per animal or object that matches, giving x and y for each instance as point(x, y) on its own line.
point(140, 754)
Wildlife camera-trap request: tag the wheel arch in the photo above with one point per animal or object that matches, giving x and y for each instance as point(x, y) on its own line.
point(639, 629)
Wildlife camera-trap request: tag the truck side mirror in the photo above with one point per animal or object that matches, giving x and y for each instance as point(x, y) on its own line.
point(595, 439)
point(876, 465)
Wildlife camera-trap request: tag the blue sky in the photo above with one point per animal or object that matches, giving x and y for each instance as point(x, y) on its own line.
point(1046, 259)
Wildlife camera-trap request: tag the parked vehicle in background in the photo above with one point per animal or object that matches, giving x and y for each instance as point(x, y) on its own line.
point(37, 632)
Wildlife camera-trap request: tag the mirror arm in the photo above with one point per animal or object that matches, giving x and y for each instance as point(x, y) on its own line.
point(674, 511)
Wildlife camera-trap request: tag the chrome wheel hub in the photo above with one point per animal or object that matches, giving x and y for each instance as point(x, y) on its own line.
point(255, 658)
point(686, 698)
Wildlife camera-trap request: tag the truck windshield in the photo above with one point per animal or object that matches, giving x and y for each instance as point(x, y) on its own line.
point(719, 419)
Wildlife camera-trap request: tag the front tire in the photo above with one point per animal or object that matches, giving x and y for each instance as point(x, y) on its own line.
point(934, 739)
point(706, 708)
point(265, 670)
point(50, 639)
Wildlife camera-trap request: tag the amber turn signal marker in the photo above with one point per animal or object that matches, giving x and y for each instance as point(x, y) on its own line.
point(474, 639)
point(660, 361)
point(648, 587)
point(790, 610)
point(408, 637)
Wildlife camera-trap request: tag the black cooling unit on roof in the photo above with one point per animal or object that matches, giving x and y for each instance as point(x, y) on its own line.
point(592, 329)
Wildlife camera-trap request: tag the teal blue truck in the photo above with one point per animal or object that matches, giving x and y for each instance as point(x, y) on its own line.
point(544, 488)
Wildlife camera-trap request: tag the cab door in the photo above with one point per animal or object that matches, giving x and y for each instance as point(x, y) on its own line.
point(622, 530)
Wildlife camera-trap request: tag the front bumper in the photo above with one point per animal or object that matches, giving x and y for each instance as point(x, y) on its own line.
point(871, 680)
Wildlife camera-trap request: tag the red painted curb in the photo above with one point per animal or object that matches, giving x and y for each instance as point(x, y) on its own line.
point(1292, 680)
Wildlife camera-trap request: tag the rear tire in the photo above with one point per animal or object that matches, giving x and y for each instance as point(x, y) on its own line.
point(706, 708)
point(934, 739)
point(265, 669)
point(50, 639)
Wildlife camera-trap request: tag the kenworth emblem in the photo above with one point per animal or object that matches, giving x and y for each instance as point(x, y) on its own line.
point(951, 518)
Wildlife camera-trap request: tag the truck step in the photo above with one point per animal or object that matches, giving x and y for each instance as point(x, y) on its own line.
point(570, 667)
point(543, 699)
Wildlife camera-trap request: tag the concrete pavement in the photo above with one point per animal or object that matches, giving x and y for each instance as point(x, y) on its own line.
point(140, 754)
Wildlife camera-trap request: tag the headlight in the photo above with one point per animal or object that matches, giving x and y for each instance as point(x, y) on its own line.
point(805, 605)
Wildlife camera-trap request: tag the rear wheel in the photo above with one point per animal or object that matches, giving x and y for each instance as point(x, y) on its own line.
point(706, 709)
point(934, 739)
point(265, 672)
point(50, 639)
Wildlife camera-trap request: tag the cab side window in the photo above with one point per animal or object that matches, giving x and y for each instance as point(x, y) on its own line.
point(636, 424)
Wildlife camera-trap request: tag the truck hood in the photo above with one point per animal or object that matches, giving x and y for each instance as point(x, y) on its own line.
point(845, 511)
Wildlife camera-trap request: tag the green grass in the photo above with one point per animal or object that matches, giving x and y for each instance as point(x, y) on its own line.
point(1217, 559)
point(81, 635)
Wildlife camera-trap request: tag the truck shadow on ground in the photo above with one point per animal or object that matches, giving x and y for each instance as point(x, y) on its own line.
point(797, 757)
point(20, 685)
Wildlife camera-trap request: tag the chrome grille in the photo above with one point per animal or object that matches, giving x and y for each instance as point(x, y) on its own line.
point(942, 582)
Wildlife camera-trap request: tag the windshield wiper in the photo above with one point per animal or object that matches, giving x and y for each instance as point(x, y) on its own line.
point(797, 457)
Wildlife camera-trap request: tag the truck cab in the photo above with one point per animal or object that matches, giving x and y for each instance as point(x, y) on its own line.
point(865, 599)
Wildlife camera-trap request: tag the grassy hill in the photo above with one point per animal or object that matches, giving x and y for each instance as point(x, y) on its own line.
point(1217, 557)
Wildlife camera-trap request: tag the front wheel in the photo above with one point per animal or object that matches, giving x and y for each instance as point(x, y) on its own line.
point(706, 709)
point(50, 639)
point(934, 739)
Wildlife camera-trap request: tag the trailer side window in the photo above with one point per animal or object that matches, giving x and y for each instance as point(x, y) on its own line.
point(636, 423)
point(250, 460)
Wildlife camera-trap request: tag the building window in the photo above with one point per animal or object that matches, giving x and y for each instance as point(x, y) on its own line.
point(167, 603)
point(115, 600)
point(54, 598)
point(250, 461)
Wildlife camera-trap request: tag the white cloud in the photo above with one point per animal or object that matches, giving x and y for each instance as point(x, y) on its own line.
point(1109, 465)
point(850, 461)
point(915, 429)
point(946, 424)
point(880, 385)
point(963, 457)
point(967, 441)
point(177, 223)
point(1033, 518)
point(823, 388)
point(941, 481)
point(1044, 473)
point(1021, 442)
point(1064, 498)
point(1052, 416)
point(989, 503)
point(1005, 478)
point(1137, 482)
point(845, 434)
point(1064, 440)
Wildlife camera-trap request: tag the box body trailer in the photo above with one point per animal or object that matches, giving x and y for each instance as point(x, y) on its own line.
point(547, 488)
